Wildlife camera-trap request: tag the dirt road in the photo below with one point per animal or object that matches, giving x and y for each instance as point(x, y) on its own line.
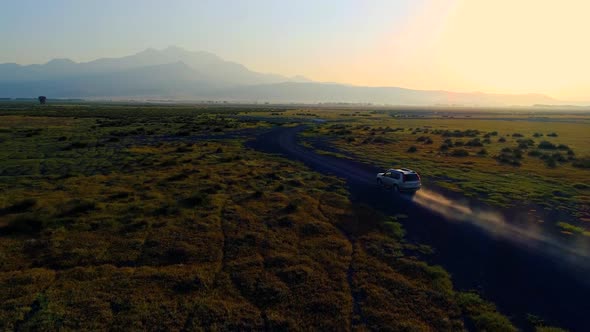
point(522, 273)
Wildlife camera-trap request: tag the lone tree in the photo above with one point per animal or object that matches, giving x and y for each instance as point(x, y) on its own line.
point(42, 100)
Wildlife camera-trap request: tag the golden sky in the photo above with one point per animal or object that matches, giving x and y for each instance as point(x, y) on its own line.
point(501, 46)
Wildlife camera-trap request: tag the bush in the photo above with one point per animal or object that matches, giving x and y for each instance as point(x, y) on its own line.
point(547, 145)
point(483, 315)
point(444, 147)
point(535, 153)
point(412, 149)
point(537, 135)
point(549, 162)
point(422, 139)
point(19, 207)
point(581, 186)
point(24, 224)
point(582, 163)
point(552, 135)
point(517, 135)
point(77, 206)
point(194, 200)
point(558, 157)
point(525, 143)
point(460, 153)
point(394, 229)
point(510, 156)
point(482, 152)
point(571, 228)
point(76, 145)
point(501, 140)
point(493, 322)
point(475, 142)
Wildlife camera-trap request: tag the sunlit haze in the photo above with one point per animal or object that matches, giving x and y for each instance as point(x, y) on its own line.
point(502, 46)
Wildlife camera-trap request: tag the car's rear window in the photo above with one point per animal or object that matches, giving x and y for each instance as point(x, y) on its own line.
point(411, 177)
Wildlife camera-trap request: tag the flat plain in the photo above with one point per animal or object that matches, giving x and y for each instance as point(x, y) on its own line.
point(125, 216)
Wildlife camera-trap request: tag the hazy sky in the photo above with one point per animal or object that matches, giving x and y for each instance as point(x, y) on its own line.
point(508, 46)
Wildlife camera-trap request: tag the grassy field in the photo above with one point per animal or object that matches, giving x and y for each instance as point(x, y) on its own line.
point(507, 160)
point(149, 218)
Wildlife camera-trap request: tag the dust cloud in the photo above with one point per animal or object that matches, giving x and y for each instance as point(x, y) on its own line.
point(530, 234)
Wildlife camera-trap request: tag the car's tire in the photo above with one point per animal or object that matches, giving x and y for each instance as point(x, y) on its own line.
point(380, 182)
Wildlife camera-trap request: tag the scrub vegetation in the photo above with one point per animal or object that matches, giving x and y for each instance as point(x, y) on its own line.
point(504, 159)
point(143, 218)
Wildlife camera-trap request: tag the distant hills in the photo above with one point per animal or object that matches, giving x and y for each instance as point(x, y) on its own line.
point(175, 73)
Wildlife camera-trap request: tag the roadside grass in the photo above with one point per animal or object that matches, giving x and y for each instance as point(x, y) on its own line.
point(113, 218)
point(464, 155)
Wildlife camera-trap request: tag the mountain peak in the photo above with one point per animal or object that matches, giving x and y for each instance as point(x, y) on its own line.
point(60, 62)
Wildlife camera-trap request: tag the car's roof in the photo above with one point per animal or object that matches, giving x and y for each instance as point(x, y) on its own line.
point(402, 170)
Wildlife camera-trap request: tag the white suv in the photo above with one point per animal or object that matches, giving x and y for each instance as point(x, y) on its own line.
point(401, 179)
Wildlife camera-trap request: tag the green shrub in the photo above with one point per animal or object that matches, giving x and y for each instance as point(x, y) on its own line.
point(77, 206)
point(571, 228)
point(525, 143)
point(412, 149)
point(394, 229)
point(475, 142)
point(194, 200)
point(76, 145)
point(28, 224)
point(547, 145)
point(460, 153)
point(535, 153)
point(550, 162)
point(19, 207)
point(482, 314)
point(509, 156)
point(581, 186)
point(582, 163)
point(493, 321)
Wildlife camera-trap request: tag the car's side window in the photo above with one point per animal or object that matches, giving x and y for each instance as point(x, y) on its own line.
point(388, 174)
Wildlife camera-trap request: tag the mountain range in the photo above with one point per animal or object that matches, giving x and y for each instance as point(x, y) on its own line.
point(177, 74)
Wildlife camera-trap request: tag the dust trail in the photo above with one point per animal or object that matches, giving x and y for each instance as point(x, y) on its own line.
point(529, 233)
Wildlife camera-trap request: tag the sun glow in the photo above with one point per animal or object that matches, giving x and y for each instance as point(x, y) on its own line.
point(503, 46)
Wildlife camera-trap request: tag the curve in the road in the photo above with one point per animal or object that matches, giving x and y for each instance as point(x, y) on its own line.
point(518, 277)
